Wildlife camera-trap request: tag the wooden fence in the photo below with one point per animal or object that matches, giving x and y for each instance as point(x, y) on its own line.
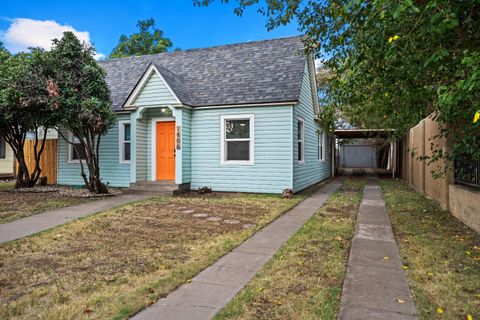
point(463, 202)
point(48, 160)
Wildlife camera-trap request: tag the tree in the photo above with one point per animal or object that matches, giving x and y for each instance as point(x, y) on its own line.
point(148, 40)
point(394, 62)
point(4, 54)
point(25, 106)
point(83, 103)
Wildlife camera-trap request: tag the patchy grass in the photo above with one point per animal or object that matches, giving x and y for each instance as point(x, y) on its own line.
point(441, 253)
point(14, 205)
point(304, 278)
point(113, 264)
point(7, 185)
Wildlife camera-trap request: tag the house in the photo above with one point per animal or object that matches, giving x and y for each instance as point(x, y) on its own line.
point(237, 117)
point(7, 159)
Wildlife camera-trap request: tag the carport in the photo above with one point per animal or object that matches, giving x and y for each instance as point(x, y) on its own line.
point(366, 148)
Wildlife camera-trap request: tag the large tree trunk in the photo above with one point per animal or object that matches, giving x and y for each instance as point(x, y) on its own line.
point(91, 144)
point(15, 137)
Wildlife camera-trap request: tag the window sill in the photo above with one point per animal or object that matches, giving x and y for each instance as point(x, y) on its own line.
point(301, 162)
point(237, 163)
point(125, 162)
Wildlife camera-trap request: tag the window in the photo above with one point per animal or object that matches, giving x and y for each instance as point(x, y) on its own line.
point(321, 146)
point(124, 135)
point(76, 150)
point(301, 140)
point(237, 139)
point(3, 147)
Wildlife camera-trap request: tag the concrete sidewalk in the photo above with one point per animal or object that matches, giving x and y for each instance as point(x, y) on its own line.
point(215, 286)
point(27, 226)
point(375, 286)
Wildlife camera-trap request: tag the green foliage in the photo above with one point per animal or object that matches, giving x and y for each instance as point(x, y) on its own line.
point(4, 54)
point(394, 62)
point(25, 105)
point(148, 40)
point(82, 101)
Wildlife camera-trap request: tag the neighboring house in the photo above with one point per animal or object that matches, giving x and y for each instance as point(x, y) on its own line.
point(234, 118)
point(7, 159)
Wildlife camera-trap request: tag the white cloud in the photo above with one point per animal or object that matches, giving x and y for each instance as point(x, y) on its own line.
point(24, 33)
point(99, 56)
point(318, 63)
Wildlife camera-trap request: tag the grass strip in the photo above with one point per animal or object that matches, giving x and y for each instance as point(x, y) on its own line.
point(304, 279)
point(440, 254)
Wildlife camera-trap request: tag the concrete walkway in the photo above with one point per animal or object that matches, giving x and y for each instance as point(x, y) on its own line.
point(215, 286)
point(375, 286)
point(27, 226)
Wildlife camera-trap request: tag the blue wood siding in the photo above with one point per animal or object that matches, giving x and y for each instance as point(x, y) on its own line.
point(142, 150)
point(272, 170)
point(111, 171)
point(186, 146)
point(313, 170)
point(155, 92)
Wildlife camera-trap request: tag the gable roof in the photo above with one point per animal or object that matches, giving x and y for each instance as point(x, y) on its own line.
point(266, 71)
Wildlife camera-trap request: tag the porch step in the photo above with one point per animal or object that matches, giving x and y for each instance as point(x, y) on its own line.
point(156, 188)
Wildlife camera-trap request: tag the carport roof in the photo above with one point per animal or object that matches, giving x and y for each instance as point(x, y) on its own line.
point(362, 133)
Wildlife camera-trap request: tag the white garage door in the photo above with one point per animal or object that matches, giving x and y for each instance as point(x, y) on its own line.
point(358, 156)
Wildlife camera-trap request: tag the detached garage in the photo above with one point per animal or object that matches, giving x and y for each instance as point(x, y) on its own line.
point(366, 148)
point(359, 154)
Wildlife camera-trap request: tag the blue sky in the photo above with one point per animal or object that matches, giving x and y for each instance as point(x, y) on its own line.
point(24, 22)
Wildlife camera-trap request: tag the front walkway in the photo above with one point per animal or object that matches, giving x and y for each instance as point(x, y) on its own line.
point(215, 286)
point(27, 226)
point(375, 286)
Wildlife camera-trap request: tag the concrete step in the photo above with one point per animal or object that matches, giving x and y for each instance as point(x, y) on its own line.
point(150, 192)
point(158, 188)
point(154, 183)
point(153, 187)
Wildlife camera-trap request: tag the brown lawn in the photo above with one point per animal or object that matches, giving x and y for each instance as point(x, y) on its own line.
point(14, 205)
point(113, 264)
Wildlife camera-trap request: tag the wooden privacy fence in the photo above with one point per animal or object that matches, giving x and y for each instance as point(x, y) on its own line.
point(463, 202)
point(417, 143)
point(48, 159)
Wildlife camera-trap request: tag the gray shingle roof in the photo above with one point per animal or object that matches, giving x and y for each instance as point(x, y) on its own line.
point(252, 72)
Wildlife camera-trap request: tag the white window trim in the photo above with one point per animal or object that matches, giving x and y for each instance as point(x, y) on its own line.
point(302, 139)
point(322, 154)
point(223, 141)
point(121, 141)
point(72, 139)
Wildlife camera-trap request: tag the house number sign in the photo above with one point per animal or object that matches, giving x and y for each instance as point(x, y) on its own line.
point(179, 138)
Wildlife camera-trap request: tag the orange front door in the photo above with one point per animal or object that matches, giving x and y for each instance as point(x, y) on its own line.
point(165, 151)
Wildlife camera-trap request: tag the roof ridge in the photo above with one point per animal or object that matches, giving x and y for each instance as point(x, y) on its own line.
point(166, 74)
point(145, 56)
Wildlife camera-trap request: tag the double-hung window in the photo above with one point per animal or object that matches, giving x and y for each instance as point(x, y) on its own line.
point(124, 135)
point(76, 152)
point(301, 140)
point(237, 143)
point(3, 147)
point(321, 146)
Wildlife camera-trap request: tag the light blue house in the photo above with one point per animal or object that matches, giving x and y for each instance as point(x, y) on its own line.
point(234, 118)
